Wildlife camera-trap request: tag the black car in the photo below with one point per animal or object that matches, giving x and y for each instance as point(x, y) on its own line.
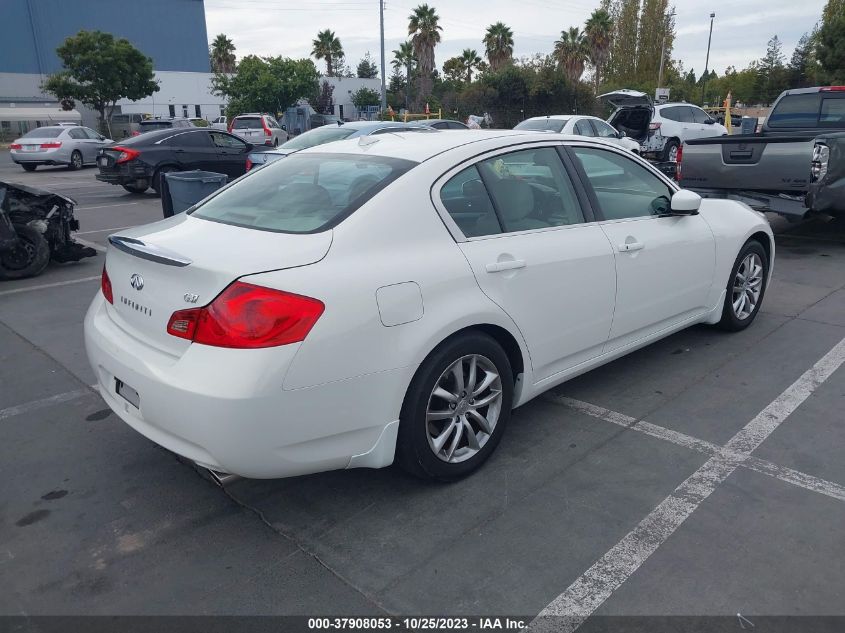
point(440, 124)
point(149, 125)
point(139, 163)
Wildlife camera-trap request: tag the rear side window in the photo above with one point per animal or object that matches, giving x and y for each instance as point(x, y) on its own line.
point(801, 110)
point(245, 123)
point(304, 193)
point(467, 201)
point(832, 112)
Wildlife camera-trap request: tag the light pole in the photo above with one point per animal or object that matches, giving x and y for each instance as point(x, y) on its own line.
point(707, 60)
point(666, 24)
point(381, 24)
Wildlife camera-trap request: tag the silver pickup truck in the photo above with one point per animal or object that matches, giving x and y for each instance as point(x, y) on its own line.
point(771, 170)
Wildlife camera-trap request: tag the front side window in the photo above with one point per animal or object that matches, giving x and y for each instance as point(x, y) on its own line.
point(227, 140)
point(699, 115)
point(91, 133)
point(304, 193)
point(623, 188)
point(77, 134)
point(604, 130)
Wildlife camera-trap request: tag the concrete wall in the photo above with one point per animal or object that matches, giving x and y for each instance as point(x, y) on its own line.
point(344, 88)
point(171, 32)
point(179, 89)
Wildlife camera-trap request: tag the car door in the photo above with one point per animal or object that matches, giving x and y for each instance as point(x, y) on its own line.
point(703, 129)
point(534, 253)
point(231, 153)
point(664, 264)
point(80, 143)
point(193, 149)
point(97, 141)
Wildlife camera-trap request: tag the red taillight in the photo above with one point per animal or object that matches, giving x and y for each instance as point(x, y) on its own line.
point(248, 163)
point(126, 154)
point(653, 127)
point(678, 163)
point(135, 133)
point(105, 286)
point(15, 146)
point(832, 89)
point(51, 145)
point(246, 316)
point(267, 131)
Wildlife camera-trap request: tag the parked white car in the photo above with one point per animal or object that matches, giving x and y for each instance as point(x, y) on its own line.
point(580, 125)
point(659, 129)
point(259, 129)
point(396, 296)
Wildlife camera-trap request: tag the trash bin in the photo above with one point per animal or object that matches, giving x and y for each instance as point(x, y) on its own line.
point(748, 125)
point(183, 189)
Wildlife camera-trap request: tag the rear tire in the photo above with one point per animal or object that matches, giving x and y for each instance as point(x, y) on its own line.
point(746, 287)
point(448, 428)
point(158, 177)
point(29, 258)
point(28, 167)
point(75, 161)
point(136, 188)
point(670, 151)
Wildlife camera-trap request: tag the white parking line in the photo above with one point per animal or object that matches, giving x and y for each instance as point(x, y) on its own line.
point(43, 286)
point(598, 583)
point(44, 402)
point(114, 228)
point(789, 475)
point(105, 206)
point(97, 247)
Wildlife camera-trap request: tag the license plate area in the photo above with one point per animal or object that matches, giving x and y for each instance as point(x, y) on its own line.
point(103, 161)
point(30, 148)
point(127, 393)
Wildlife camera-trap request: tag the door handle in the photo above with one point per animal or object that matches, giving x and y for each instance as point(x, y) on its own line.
point(627, 247)
point(510, 264)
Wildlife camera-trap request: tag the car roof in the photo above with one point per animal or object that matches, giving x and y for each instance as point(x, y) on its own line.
point(676, 103)
point(553, 117)
point(420, 147)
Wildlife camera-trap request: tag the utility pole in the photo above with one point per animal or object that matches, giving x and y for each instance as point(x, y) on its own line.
point(383, 88)
point(707, 61)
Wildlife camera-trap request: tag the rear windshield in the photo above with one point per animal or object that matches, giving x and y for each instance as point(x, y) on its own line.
point(246, 123)
point(814, 109)
point(304, 193)
point(553, 125)
point(156, 125)
point(44, 132)
point(318, 137)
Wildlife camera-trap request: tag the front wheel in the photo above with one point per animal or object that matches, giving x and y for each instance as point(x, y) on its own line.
point(746, 287)
point(456, 408)
point(28, 258)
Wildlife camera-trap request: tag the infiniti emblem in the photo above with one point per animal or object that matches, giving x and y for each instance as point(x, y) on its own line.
point(136, 281)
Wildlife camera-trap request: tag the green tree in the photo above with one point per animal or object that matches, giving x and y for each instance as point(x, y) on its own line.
point(571, 53)
point(324, 103)
point(470, 61)
point(222, 55)
point(771, 73)
point(626, 20)
point(328, 47)
point(801, 71)
point(367, 68)
point(830, 45)
point(404, 60)
point(424, 29)
point(498, 45)
point(365, 97)
point(268, 84)
point(656, 24)
point(99, 70)
point(598, 31)
point(453, 70)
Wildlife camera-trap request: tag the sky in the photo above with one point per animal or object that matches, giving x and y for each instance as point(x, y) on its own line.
point(279, 27)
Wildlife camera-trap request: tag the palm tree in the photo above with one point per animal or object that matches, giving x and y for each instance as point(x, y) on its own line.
point(498, 45)
point(469, 61)
point(403, 59)
point(571, 53)
point(222, 55)
point(327, 46)
point(598, 31)
point(425, 35)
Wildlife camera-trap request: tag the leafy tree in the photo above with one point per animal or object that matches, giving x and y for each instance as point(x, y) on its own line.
point(222, 55)
point(801, 71)
point(571, 53)
point(99, 70)
point(328, 47)
point(470, 61)
point(771, 73)
point(367, 68)
point(498, 45)
point(324, 103)
point(405, 61)
point(830, 45)
point(424, 30)
point(365, 97)
point(598, 31)
point(268, 84)
point(453, 70)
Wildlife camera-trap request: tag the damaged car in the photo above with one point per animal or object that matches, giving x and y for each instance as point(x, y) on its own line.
point(35, 227)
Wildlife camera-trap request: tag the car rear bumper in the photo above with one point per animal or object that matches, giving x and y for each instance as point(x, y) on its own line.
point(41, 157)
point(227, 410)
point(125, 174)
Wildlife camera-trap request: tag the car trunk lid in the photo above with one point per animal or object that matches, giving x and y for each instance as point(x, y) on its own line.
point(626, 99)
point(185, 262)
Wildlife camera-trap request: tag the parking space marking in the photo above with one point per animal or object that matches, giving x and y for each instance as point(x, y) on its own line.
point(43, 402)
point(94, 245)
point(606, 575)
point(105, 206)
point(43, 286)
point(114, 228)
point(765, 467)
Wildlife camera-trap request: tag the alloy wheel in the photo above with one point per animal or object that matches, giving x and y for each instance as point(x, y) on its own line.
point(747, 286)
point(463, 408)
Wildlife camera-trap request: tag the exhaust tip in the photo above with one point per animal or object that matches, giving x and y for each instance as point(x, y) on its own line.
point(220, 478)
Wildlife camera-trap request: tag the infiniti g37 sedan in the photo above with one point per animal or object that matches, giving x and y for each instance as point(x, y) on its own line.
point(395, 297)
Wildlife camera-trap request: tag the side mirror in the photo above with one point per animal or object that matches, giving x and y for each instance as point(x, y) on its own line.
point(284, 127)
point(709, 121)
point(620, 134)
point(249, 147)
point(685, 202)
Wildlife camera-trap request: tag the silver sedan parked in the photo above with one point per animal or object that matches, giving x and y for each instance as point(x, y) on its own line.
point(73, 146)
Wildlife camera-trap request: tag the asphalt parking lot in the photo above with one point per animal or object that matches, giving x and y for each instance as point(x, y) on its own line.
point(702, 475)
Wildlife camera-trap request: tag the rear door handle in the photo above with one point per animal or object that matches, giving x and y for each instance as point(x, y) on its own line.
point(510, 264)
point(627, 247)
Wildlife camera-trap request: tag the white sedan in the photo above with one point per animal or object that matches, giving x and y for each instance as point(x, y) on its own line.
point(395, 297)
point(580, 125)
